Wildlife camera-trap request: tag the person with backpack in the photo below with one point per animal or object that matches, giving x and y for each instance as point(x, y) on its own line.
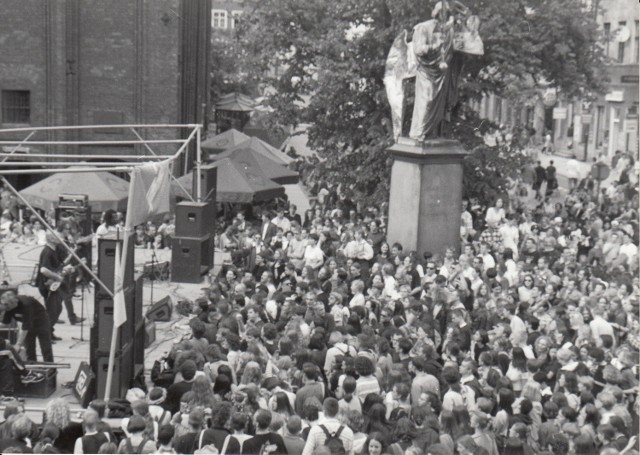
point(198, 435)
point(136, 442)
point(331, 433)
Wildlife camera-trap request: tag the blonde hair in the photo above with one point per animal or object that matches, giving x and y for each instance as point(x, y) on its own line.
point(57, 412)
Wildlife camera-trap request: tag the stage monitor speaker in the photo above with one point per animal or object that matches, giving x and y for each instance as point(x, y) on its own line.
point(195, 219)
point(209, 181)
point(122, 373)
point(84, 384)
point(107, 260)
point(103, 323)
point(161, 310)
point(191, 258)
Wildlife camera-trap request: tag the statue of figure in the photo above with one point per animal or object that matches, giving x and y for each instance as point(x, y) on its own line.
point(435, 58)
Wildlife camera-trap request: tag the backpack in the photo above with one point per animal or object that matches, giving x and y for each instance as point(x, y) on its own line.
point(333, 441)
point(140, 447)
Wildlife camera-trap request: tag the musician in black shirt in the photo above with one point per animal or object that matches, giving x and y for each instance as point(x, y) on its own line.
point(49, 272)
point(35, 323)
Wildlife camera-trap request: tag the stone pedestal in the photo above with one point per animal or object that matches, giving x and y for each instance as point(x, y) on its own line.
point(426, 195)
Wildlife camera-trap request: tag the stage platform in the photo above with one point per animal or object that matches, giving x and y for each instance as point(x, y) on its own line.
point(21, 260)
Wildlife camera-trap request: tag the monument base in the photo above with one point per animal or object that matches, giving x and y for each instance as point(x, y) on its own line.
point(426, 194)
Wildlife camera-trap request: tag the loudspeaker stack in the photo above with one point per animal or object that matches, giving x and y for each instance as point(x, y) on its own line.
point(192, 248)
point(128, 358)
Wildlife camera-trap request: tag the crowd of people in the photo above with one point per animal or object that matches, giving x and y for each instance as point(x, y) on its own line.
point(320, 337)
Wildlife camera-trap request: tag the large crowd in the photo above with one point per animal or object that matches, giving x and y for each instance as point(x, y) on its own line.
point(319, 337)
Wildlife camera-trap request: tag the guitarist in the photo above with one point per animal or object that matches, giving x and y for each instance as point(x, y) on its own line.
point(70, 233)
point(49, 270)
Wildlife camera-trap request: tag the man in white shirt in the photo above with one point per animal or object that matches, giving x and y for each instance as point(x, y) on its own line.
point(629, 249)
point(599, 326)
point(282, 221)
point(358, 249)
point(329, 425)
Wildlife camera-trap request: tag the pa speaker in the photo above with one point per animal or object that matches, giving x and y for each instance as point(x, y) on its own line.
point(195, 219)
point(208, 177)
point(107, 261)
point(103, 323)
point(191, 258)
point(122, 372)
point(161, 310)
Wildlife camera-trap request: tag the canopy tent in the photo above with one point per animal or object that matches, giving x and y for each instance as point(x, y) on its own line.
point(223, 141)
point(247, 157)
point(105, 190)
point(237, 183)
point(261, 147)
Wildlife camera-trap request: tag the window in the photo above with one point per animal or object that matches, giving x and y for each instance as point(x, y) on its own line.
point(621, 45)
point(607, 37)
point(234, 17)
point(219, 18)
point(16, 106)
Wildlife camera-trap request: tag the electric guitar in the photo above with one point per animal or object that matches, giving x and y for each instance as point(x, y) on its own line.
point(53, 285)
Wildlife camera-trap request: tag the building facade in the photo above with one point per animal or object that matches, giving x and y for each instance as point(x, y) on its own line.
point(587, 129)
point(86, 62)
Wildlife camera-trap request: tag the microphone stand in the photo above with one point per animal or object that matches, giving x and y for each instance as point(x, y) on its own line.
point(81, 339)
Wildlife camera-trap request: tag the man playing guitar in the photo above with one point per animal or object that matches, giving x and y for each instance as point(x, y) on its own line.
point(70, 233)
point(49, 271)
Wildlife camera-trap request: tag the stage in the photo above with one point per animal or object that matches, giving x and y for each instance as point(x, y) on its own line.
point(21, 261)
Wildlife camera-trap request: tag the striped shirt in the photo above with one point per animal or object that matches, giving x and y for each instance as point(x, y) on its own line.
point(317, 436)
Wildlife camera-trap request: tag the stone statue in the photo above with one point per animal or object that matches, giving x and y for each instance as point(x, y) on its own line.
point(434, 57)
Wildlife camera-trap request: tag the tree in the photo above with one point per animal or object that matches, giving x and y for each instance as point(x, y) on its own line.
point(330, 57)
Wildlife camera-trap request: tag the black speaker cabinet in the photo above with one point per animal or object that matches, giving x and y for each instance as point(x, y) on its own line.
point(138, 302)
point(190, 258)
point(209, 181)
point(103, 323)
point(107, 260)
point(122, 373)
point(161, 310)
point(195, 219)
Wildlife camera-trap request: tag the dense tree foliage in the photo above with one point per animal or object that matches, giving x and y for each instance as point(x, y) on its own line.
point(324, 62)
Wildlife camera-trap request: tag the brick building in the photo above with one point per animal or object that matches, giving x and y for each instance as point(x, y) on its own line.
point(84, 62)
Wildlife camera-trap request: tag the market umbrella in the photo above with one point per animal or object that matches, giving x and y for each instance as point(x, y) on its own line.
point(246, 156)
point(263, 148)
point(237, 183)
point(105, 190)
point(223, 141)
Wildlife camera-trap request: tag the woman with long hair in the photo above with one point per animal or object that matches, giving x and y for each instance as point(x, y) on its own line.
point(222, 387)
point(282, 405)
point(517, 371)
point(252, 374)
point(203, 393)
point(375, 419)
point(57, 413)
